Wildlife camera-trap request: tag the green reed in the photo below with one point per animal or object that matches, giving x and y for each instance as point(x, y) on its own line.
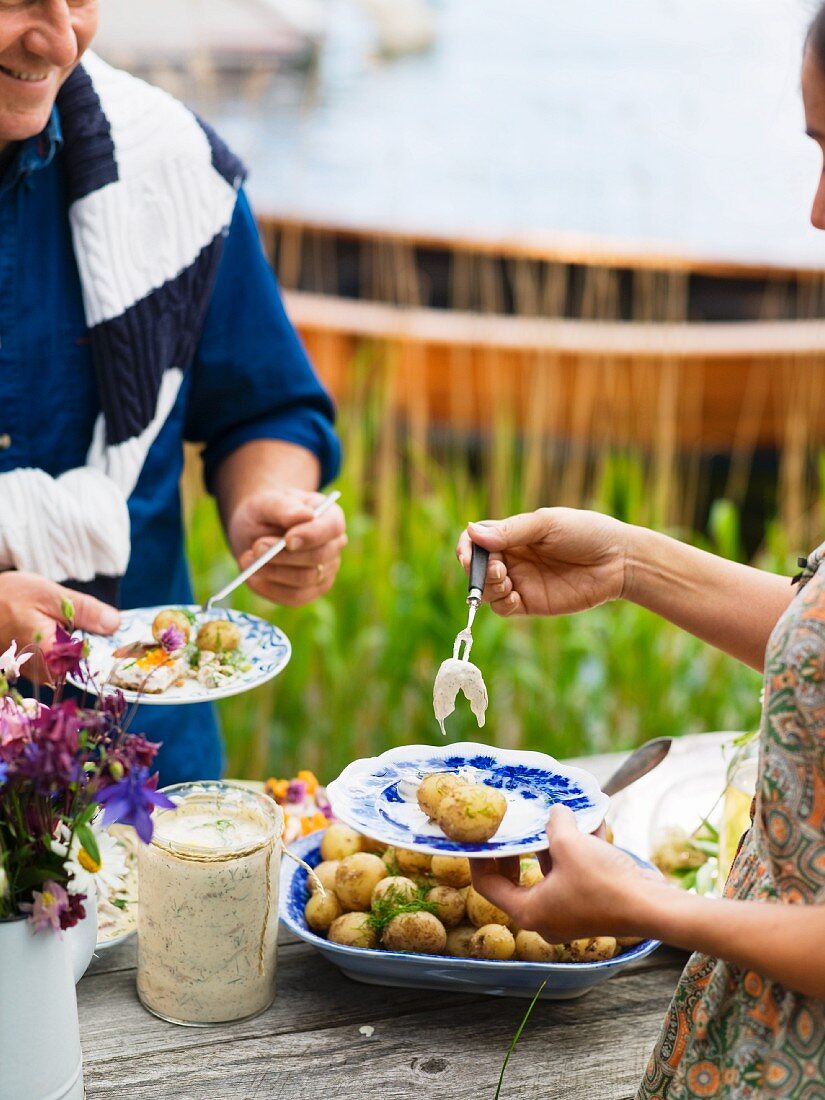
point(364, 658)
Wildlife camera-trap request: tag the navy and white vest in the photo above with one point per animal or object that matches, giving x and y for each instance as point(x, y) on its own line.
point(152, 190)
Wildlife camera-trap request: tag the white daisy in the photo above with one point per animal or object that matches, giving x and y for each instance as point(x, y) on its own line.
point(86, 873)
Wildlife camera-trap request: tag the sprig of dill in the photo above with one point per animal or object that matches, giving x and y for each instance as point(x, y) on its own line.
point(394, 903)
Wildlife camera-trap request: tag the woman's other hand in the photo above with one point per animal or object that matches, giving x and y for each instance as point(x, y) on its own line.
point(589, 887)
point(550, 562)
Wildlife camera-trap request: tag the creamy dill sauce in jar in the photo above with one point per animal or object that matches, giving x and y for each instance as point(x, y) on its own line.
point(208, 913)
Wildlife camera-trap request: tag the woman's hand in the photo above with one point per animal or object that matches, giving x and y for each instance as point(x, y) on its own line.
point(308, 566)
point(31, 607)
point(590, 888)
point(550, 562)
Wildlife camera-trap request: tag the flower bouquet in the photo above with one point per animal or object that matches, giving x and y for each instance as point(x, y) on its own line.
point(66, 771)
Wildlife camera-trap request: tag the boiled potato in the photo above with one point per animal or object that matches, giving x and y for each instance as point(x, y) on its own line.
point(472, 814)
point(356, 878)
point(321, 910)
point(492, 941)
point(458, 941)
point(530, 947)
point(436, 786)
point(326, 873)
point(451, 871)
point(353, 930)
point(481, 911)
point(396, 888)
point(592, 949)
point(389, 858)
point(420, 933)
point(412, 863)
point(449, 905)
point(219, 635)
point(531, 872)
point(377, 847)
point(338, 842)
point(164, 619)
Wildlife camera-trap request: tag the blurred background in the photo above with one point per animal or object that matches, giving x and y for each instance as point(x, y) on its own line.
point(542, 254)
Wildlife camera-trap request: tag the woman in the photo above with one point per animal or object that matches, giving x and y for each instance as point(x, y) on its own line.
point(748, 1016)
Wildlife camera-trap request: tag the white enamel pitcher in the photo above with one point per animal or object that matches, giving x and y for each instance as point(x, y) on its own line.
point(40, 1056)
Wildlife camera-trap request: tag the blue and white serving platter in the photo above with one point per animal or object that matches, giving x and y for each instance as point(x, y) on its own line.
point(266, 648)
point(407, 971)
point(378, 796)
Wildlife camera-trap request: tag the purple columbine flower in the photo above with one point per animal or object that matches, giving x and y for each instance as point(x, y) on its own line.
point(48, 906)
point(132, 800)
point(65, 655)
point(172, 638)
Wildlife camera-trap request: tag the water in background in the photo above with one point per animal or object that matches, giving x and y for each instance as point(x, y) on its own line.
point(674, 123)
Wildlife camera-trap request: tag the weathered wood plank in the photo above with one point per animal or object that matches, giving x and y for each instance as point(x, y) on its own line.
point(594, 1047)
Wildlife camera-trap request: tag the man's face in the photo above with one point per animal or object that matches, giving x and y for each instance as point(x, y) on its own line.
point(41, 41)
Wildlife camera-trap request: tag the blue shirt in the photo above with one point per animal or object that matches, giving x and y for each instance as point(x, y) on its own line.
point(250, 379)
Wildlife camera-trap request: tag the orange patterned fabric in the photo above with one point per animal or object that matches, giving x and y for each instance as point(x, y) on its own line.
point(730, 1032)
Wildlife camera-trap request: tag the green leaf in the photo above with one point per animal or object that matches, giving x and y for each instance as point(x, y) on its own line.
point(89, 841)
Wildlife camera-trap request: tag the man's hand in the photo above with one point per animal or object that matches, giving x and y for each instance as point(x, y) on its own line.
point(31, 607)
point(308, 566)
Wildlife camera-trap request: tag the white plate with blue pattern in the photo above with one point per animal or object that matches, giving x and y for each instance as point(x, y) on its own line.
point(265, 648)
point(392, 968)
point(378, 796)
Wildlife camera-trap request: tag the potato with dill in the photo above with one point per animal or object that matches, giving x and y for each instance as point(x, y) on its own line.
point(218, 636)
point(353, 930)
point(394, 889)
point(472, 814)
point(418, 933)
point(356, 878)
point(435, 787)
point(170, 617)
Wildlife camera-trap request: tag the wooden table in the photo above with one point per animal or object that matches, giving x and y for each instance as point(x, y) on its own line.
point(309, 1044)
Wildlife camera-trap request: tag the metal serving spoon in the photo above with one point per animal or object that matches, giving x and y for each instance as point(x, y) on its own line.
point(639, 763)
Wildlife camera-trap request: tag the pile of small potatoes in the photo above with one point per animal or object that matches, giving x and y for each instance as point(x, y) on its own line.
point(359, 877)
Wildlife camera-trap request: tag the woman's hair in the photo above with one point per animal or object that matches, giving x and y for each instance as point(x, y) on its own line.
point(816, 36)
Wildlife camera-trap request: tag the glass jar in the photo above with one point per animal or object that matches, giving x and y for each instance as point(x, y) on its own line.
point(208, 912)
point(736, 806)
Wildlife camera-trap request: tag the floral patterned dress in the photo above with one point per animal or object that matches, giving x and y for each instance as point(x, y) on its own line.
point(729, 1032)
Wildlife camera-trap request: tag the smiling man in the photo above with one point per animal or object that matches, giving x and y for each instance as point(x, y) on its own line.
point(137, 311)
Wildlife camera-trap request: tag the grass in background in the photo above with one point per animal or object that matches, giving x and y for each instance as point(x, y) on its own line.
point(364, 658)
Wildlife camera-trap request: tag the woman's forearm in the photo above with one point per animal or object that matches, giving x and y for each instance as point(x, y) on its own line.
point(732, 606)
point(779, 941)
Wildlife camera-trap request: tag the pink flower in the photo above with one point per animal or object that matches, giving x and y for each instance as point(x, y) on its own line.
point(65, 654)
point(296, 792)
point(172, 638)
point(15, 720)
point(11, 663)
point(48, 906)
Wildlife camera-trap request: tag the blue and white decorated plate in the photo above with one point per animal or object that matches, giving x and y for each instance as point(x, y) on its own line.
point(378, 796)
point(266, 649)
point(392, 968)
